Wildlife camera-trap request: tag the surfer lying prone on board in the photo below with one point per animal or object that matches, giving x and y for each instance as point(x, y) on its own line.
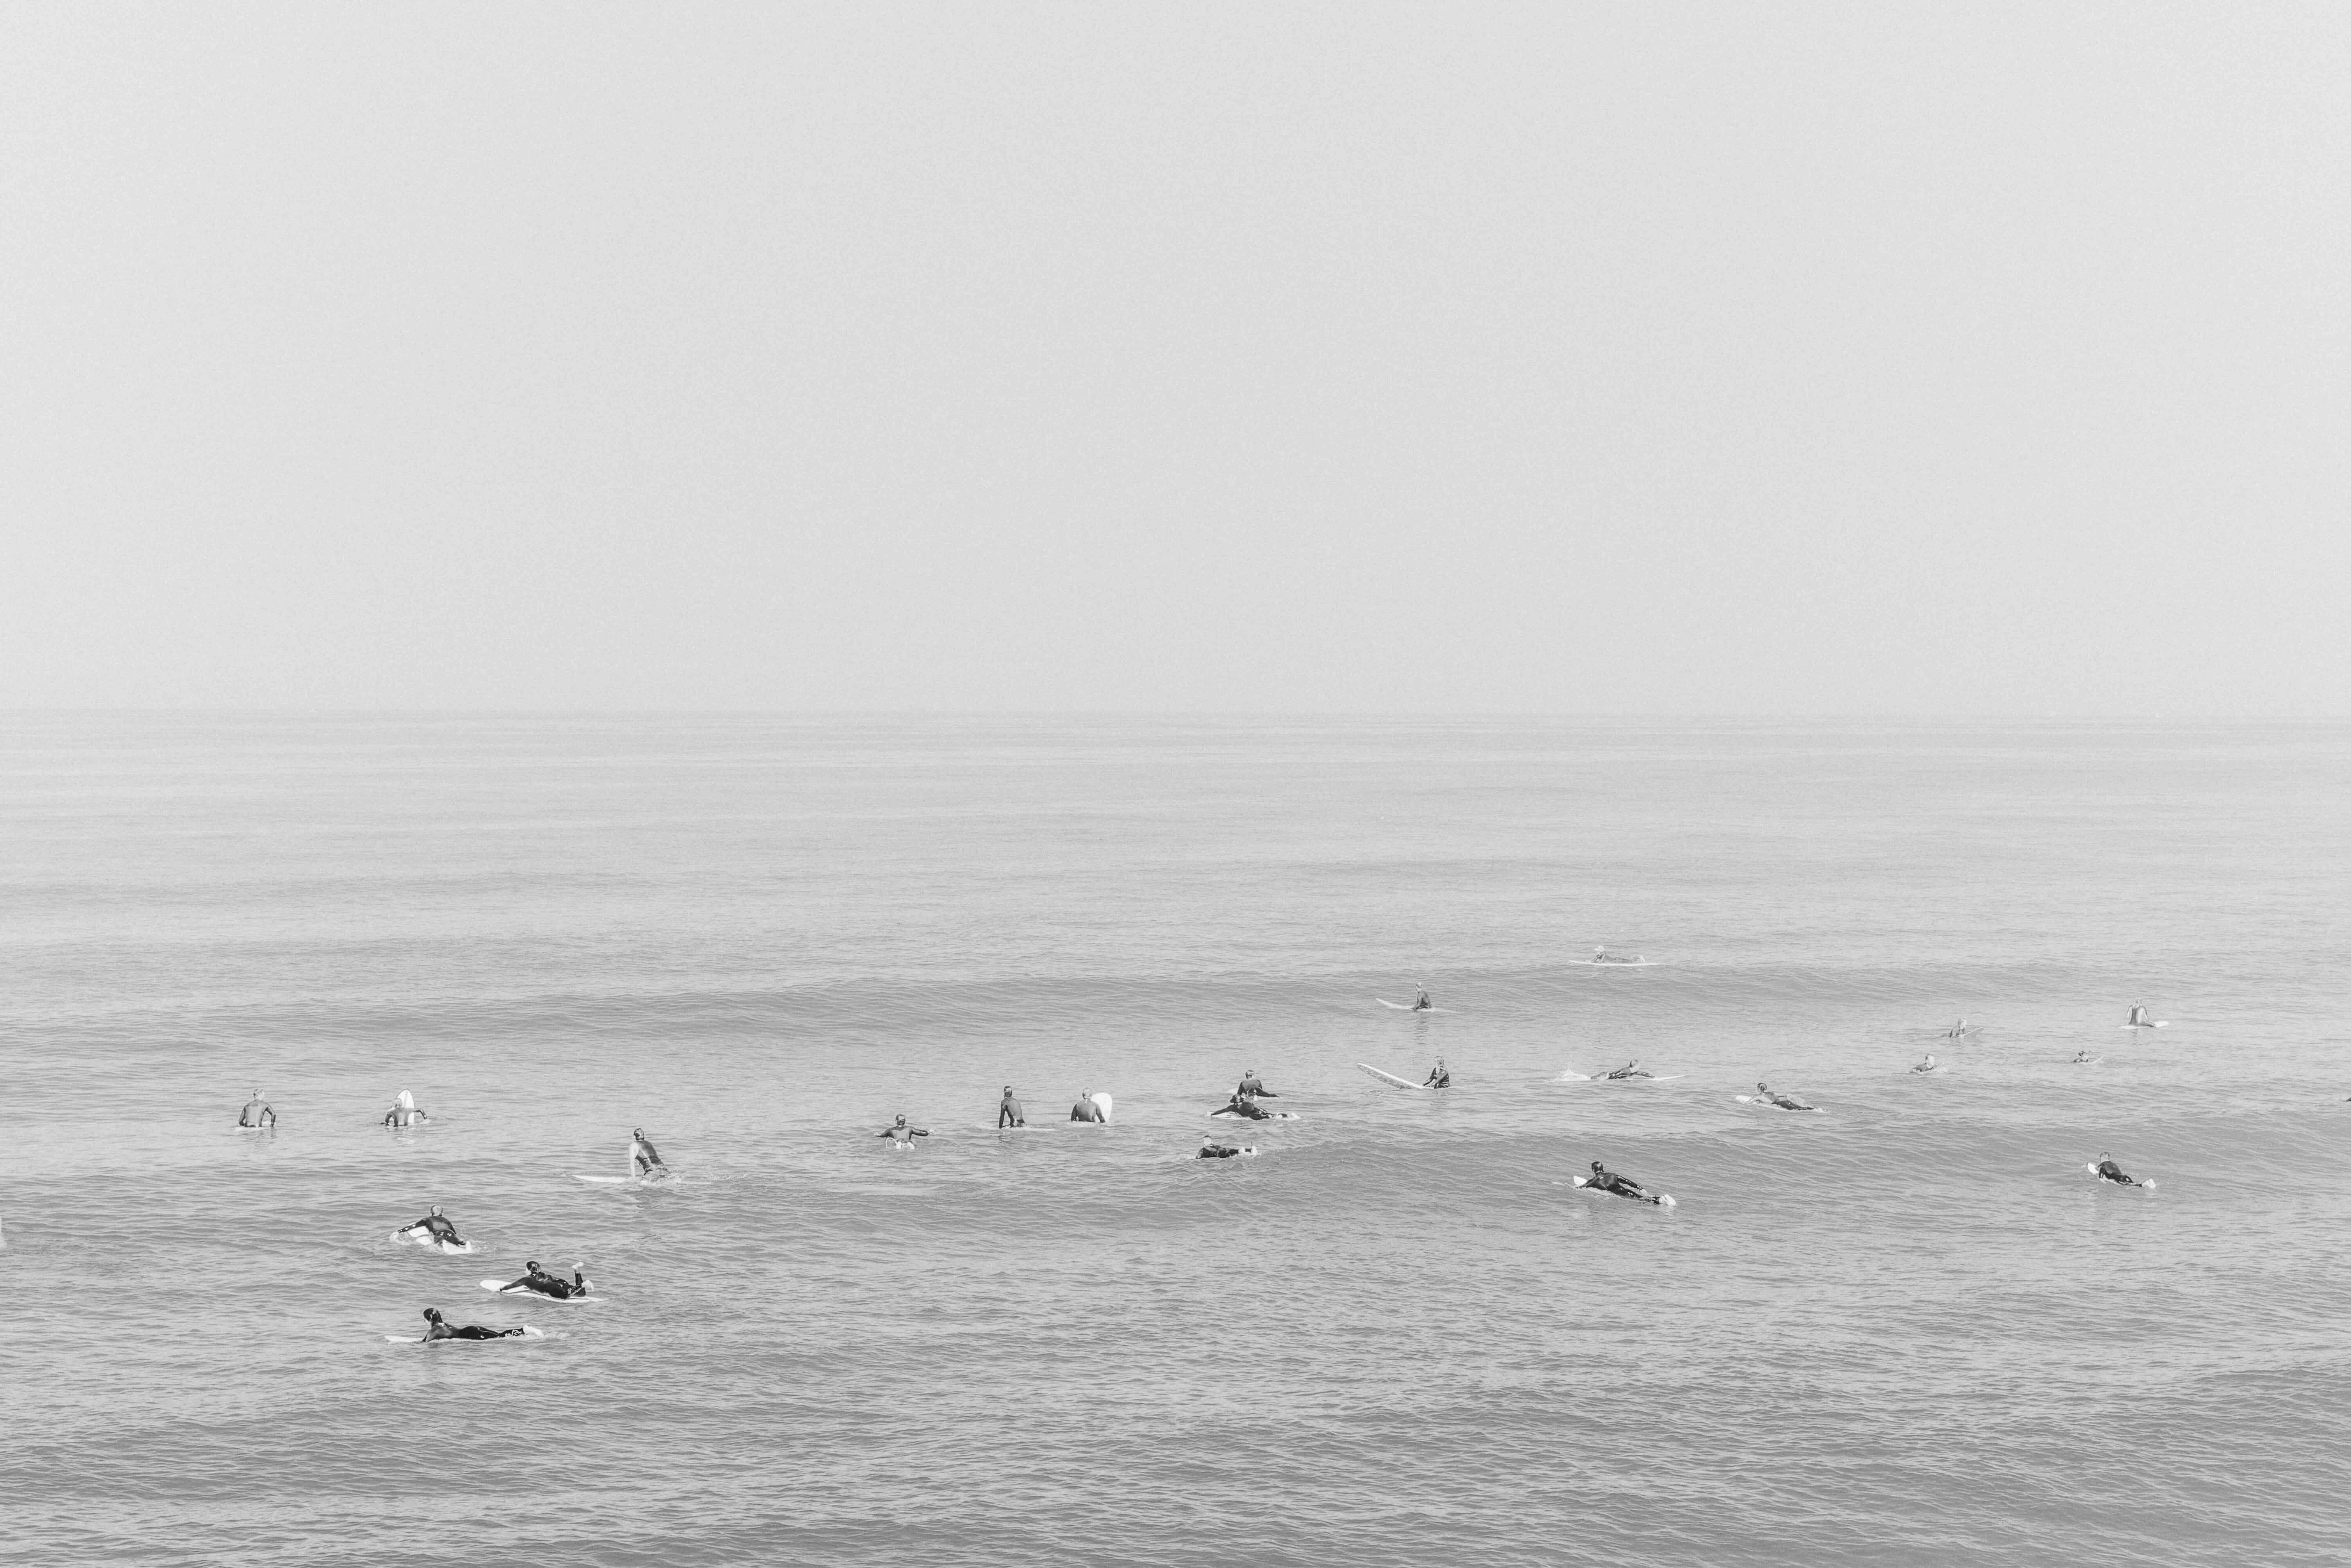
point(1237, 1106)
point(1438, 1078)
point(1009, 1113)
point(1212, 1150)
point(257, 1112)
point(2109, 1171)
point(435, 1227)
point(539, 1283)
point(1785, 1101)
point(440, 1330)
point(1630, 1070)
point(1621, 1186)
point(902, 1133)
point(1252, 1088)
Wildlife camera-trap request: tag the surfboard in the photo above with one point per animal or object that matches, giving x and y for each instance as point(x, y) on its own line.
point(1758, 1100)
point(412, 1240)
point(626, 1180)
point(243, 1128)
point(1390, 1077)
point(1407, 1006)
point(1615, 963)
point(1269, 1116)
point(527, 1332)
point(2159, 1023)
point(1102, 1099)
point(2111, 1182)
point(1665, 1200)
point(1572, 1077)
point(499, 1287)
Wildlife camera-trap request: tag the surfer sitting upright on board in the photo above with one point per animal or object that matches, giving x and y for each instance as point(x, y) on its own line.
point(435, 1229)
point(404, 1112)
point(904, 1133)
point(1785, 1101)
point(1438, 1078)
point(1239, 1106)
point(645, 1160)
point(2109, 1171)
point(1421, 1004)
point(1930, 1065)
point(440, 1330)
point(1621, 1186)
point(2140, 1018)
point(1009, 1113)
point(1253, 1089)
point(1630, 1070)
point(257, 1112)
point(1087, 1109)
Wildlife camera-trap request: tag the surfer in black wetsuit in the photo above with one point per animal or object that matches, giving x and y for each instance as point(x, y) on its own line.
point(440, 1330)
point(1785, 1101)
point(1423, 1005)
point(435, 1228)
point(1087, 1109)
point(1252, 1089)
point(257, 1112)
point(2083, 1059)
point(1009, 1113)
point(1438, 1078)
point(1237, 1106)
point(1630, 1070)
point(2109, 1171)
point(645, 1159)
point(1621, 1186)
point(1212, 1150)
point(539, 1283)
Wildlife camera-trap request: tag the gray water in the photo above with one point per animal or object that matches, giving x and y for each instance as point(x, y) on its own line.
point(1911, 1329)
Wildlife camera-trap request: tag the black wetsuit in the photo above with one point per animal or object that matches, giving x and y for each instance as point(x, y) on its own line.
point(2113, 1173)
point(471, 1331)
point(1218, 1152)
point(1439, 1080)
point(545, 1284)
point(1623, 1187)
point(1240, 1107)
point(436, 1229)
point(1255, 1090)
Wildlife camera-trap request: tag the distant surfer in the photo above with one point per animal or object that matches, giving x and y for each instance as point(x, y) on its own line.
point(2140, 1018)
point(539, 1283)
point(1087, 1108)
point(1240, 1106)
point(1785, 1101)
point(1438, 1078)
point(1930, 1065)
point(2083, 1059)
point(435, 1228)
point(257, 1112)
point(403, 1112)
point(1253, 1089)
point(1956, 1030)
point(645, 1160)
point(1630, 1070)
point(2109, 1171)
point(1422, 1004)
point(1212, 1150)
point(440, 1330)
point(1009, 1113)
point(904, 1133)
point(1621, 1186)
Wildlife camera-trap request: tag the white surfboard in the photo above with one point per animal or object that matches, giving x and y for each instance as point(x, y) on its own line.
point(500, 1288)
point(527, 1332)
point(1269, 1116)
point(1665, 1200)
point(1407, 1006)
point(1615, 963)
point(2094, 1171)
point(1758, 1100)
point(1390, 1077)
point(1102, 1099)
point(1644, 1078)
point(2159, 1023)
point(414, 1239)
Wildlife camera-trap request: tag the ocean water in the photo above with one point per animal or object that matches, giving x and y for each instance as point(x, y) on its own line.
point(1910, 1330)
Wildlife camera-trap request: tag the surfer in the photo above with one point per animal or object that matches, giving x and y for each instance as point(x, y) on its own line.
point(1422, 1004)
point(1621, 1186)
point(1009, 1113)
point(403, 1112)
point(435, 1229)
point(1212, 1150)
point(2083, 1059)
point(1087, 1109)
point(539, 1283)
point(1438, 1078)
point(1956, 1030)
point(1930, 1065)
point(1240, 1106)
point(1785, 1101)
point(645, 1160)
point(440, 1330)
point(1630, 1070)
point(904, 1133)
point(257, 1112)
point(2140, 1018)
point(2108, 1170)
point(1251, 1088)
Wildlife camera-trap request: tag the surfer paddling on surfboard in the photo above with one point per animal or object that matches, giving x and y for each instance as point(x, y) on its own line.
point(1009, 1113)
point(1438, 1078)
point(1785, 1101)
point(2109, 1171)
point(1621, 1186)
point(1630, 1070)
point(440, 1330)
point(904, 1133)
point(257, 1112)
point(1212, 1150)
point(435, 1228)
point(539, 1283)
point(1239, 1106)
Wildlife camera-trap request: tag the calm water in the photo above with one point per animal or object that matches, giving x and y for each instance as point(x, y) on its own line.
point(1911, 1330)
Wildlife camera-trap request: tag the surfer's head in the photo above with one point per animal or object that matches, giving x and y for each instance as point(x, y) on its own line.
point(431, 1314)
point(1760, 1087)
point(901, 1121)
point(436, 1209)
point(532, 1265)
point(1596, 1164)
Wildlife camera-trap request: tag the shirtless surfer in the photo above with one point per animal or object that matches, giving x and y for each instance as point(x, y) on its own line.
point(904, 1133)
point(1087, 1108)
point(1242, 1106)
point(1785, 1101)
point(2140, 1018)
point(1930, 1065)
point(1009, 1113)
point(2109, 1171)
point(645, 1160)
point(435, 1229)
point(539, 1283)
point(1253, 1089)
point(1438, 1078)
point(440, 1330)
point(1621, 1186)
point(403, 1112)
point(257, 1112)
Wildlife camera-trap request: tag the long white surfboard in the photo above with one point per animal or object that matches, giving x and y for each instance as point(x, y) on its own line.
point(1758, 1100)
point(1665, 1200)
point(1390, 1077)
point(527, 1332)
point(500, 1286)
point(2094, 1171)
point(414, 1240)
point(1407, 1006)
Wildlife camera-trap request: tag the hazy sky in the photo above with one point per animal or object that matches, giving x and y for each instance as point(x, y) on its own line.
point(1683, 359)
